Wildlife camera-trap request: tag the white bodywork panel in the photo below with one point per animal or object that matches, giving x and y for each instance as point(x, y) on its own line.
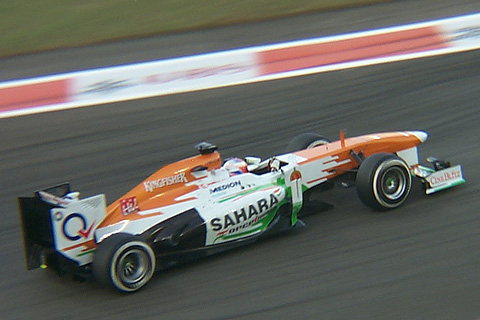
point(410, 156)
point(73, 227)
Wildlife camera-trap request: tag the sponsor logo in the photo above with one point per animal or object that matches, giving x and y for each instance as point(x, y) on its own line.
point(197, 73)
point(107, 86)
point(444, 177)
point(52, 199)
point(227, 186)
point(128, 205)
point(466, 33)
point(244, 217)
point(164, 182)
point(75, 227)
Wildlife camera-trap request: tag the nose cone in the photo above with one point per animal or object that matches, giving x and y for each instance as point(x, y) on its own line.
point(421, 135)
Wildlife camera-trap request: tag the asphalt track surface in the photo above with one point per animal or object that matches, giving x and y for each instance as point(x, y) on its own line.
point(418, 262)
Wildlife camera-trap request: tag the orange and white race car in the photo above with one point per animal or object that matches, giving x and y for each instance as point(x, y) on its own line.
point(200, 205)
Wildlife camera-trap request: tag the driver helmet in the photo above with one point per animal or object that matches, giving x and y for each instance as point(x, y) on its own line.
point(235, 166)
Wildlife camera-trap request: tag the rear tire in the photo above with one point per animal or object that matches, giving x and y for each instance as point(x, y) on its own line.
point(383, 181)
point(123, 262)
point(306, 141)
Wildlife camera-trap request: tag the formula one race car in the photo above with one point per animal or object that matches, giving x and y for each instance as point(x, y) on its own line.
point(200, 206)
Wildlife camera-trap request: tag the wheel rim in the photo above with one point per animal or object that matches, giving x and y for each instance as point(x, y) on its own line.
point(133, 266)
point(391, 183)
point(394, 183)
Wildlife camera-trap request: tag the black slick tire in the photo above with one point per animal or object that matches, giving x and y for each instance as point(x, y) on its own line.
point(306, 140)
point(383, 181)
point(123, 262)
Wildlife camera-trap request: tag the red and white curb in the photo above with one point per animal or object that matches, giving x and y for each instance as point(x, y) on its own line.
point(235, 67)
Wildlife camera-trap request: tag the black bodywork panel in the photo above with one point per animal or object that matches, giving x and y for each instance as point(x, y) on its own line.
point(184, 231)
point(37, 230)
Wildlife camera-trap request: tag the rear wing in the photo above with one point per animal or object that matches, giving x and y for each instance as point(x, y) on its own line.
point(36, 223)
point(58, 226)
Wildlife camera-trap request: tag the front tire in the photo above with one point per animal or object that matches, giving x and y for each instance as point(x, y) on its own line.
point(383, 181)
point(123, 262)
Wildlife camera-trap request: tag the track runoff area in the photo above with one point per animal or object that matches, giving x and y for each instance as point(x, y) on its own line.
point(236, 67)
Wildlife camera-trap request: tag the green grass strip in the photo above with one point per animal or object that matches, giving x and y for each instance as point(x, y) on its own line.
point(32, 26)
